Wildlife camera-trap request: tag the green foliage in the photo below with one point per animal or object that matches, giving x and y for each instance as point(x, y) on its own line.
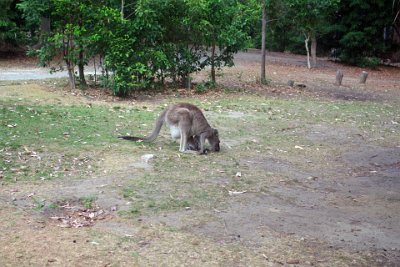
point(312, 15)
point(151, 41)
point(222, 28)
point(203, 87)
point(360, 30)
point(370, 62)
point(10, 32)
point(32, 11)
point(88, 201)
point(311, 18)
point(279, 27)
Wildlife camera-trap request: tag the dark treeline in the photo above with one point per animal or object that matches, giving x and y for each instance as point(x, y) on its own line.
point(143, 43)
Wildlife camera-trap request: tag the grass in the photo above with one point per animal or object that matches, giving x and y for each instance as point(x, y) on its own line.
point(46, 141)
point(42, 141)
point(266, 129)
point(88, 201)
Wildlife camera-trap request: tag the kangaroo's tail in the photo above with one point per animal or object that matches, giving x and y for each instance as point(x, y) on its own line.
point(131, 138)
point(153, 135)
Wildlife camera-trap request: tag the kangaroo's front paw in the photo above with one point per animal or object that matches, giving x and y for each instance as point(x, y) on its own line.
point(205, 152)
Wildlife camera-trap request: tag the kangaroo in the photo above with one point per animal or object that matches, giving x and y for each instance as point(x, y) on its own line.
point(187, 123)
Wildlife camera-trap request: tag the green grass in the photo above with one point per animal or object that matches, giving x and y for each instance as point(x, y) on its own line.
point(40, 142)
point(46, 141)
point(88, 201)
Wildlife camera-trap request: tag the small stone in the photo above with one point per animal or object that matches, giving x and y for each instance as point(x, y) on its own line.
point(147, 157)
point(114, 208)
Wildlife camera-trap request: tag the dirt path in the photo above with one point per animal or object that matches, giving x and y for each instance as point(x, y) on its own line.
point(27, 69)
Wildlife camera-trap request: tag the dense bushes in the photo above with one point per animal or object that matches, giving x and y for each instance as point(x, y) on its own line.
point(162, 39)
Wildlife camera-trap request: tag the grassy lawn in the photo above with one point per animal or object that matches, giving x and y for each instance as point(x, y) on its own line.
point(49, 141)
point(44, 143)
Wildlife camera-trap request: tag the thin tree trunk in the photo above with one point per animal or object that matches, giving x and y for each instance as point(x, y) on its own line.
point(122, 8)
point(81, 68)
point(95, 73)
point(314, 50)
point(44, 31)
point(70, 68)
point(71, 74)
point(213, 80)
point(263, 37)
point(307, 39)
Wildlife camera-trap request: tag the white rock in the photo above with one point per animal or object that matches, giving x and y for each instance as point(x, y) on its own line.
point(147, 157)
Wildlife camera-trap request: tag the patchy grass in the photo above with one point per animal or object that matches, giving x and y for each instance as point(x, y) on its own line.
point(45, 141)
point(77, 140)
point(252, 130)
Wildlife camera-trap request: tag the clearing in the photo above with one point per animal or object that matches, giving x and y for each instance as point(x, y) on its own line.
point(307, 175)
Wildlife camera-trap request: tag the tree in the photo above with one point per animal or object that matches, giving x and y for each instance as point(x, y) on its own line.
point(182, 39)
point(66, 35)
point(10, 31)
point(37, 18)
point(223, 33)
point(143, 42)
point(72, 34)
point(360, 30)
point(312, 17)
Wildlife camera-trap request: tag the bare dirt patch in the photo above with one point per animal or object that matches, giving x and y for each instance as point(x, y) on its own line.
point(349, 203)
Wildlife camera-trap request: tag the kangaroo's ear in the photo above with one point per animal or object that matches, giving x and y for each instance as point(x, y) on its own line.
point(215, 132)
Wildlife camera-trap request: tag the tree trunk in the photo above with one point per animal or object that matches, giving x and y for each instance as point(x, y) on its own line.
point(213, 80)
point(122, 8)
point(314, 50)
point(67, 47)
point(306, 41)
point(71, 74)
point(81, 69)
point(95, 72)
point(188, 82)
point(44, 28)
point(263, 37)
